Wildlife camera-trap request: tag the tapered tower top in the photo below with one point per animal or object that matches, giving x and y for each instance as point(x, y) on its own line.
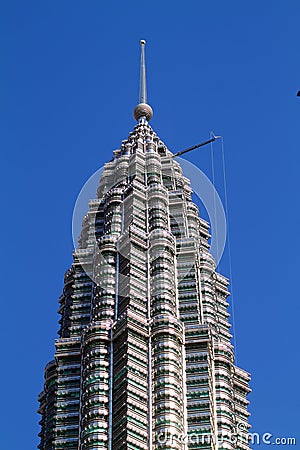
point(143, 110)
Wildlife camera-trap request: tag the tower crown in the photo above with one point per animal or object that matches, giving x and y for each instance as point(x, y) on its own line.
point(143, 110)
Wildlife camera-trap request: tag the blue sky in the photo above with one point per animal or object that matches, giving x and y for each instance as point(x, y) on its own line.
point(68, 85)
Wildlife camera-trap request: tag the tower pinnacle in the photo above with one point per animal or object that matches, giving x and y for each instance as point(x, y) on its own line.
point(143, 110)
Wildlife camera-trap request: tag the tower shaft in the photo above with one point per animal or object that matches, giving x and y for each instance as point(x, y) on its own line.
point(144, 358)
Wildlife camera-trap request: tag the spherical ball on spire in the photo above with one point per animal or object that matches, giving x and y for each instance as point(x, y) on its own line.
point(142, 42)
point(143, 110)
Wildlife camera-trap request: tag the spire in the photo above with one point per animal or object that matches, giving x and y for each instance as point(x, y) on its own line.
point(143, 110)
point(143, 86)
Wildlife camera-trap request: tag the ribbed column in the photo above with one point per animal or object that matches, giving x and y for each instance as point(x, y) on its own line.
point(130, 332)
point(48, 407)
point(94, 412)
point(200, 412)
point(166, 329)
point(96, 350)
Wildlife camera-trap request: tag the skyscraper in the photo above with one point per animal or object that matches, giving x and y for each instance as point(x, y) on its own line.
point(144, 359)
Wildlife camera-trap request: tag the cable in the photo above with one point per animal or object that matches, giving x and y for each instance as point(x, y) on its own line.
point(213, 181)
point(229, 248)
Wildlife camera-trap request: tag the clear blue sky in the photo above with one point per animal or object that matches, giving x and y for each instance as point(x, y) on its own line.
point(69, 83)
